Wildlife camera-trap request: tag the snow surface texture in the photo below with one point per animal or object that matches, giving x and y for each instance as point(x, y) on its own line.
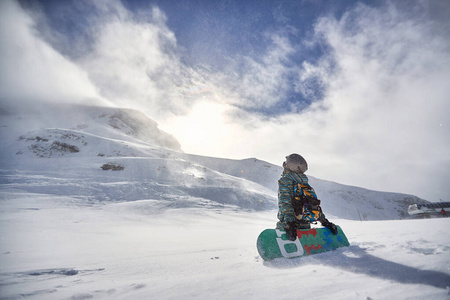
point(100, 203)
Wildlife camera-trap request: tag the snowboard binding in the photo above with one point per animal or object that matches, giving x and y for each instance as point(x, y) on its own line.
point(308, 211)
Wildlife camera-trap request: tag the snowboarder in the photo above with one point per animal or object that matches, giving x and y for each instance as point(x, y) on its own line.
point(298, 205)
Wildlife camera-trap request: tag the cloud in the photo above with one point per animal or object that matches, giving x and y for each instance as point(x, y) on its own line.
point(262, 81)
point(383, 121)
point(128, 59)
point(30, 69)
point(376, 104)
point(134, 60)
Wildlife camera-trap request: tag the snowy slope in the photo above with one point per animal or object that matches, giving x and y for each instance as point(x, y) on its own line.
point(56, 247)
point(97, 202)
point(83, 139)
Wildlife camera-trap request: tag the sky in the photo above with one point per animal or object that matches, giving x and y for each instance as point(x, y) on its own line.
point(359, 88)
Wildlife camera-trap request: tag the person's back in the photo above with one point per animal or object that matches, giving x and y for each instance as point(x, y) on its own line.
point(298, 205)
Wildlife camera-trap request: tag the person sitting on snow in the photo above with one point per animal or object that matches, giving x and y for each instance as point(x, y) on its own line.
point(298, 205)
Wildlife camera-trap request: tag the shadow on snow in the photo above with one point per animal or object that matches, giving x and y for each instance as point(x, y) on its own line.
point(357, 260)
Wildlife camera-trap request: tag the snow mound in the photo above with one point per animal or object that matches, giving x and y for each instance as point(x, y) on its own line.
point(110, 122)
point(53, 143)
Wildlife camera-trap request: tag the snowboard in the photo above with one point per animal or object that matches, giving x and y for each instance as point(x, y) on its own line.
point(274, 243)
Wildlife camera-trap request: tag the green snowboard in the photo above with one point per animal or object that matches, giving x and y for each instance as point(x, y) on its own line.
point(274, 243)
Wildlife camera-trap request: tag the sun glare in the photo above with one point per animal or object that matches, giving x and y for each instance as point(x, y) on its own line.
point(202, 129)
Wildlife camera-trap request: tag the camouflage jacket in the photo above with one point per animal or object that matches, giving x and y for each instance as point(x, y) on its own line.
point(287, 186)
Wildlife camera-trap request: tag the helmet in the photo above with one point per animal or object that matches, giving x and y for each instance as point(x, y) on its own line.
point(296, 163)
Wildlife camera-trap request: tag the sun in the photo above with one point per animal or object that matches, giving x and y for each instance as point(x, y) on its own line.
point(203, 129)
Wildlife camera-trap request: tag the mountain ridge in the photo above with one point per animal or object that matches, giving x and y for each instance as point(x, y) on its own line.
point(111, 154)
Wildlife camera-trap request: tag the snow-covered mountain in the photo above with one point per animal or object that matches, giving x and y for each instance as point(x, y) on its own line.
point(100, 153)
point(98, 203)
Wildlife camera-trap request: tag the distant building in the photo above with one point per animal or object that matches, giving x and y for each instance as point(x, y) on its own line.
point(437, 209)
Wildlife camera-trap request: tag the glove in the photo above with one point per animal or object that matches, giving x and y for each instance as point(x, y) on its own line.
point(330, 226)
point(291, 231)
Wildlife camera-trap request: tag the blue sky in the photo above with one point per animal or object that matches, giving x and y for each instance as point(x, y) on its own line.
point(359, 88)
point(210, 34)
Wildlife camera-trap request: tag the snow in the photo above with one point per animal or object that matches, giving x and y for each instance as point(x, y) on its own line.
point(173, 225)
